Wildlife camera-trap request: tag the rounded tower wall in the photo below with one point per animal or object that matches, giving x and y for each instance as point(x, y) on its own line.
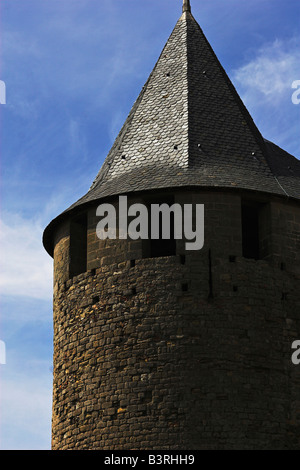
point(156, 352)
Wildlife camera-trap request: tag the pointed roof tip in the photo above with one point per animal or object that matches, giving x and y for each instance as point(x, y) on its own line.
point(186, 6)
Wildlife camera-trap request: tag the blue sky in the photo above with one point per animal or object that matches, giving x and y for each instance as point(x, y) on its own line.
point(73, 69)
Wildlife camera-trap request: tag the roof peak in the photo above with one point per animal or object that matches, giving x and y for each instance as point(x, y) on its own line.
point(186, 6)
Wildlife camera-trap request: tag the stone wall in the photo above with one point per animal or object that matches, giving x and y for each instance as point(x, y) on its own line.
point(191, 351)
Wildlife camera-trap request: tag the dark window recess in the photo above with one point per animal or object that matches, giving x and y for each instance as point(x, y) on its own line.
point(155, 248)
point(184, 287)
point(78, 246)
point(250, 231)
point(96, 299)
point(182, 259)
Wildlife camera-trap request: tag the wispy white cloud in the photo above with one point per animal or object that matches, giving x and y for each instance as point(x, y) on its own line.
point(26, 269)
point(18, 45)
point(269, 76)
point(265, 86)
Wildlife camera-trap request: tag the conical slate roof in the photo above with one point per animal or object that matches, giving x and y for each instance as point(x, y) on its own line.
point(189, 127)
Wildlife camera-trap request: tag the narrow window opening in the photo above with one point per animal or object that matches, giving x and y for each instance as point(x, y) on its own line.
point(250, 231)
point(182, 259)
point(132, 263)
point(160, 247)
point(185, 287)
point(78, 245)
point(133, 290)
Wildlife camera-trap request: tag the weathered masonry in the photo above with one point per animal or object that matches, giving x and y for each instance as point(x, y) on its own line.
point(156, 347)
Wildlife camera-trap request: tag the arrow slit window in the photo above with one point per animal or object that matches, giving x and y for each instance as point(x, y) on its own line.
point(78, 245)
point(256, 230)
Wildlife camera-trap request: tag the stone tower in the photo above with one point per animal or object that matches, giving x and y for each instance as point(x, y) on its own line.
point(158, 347)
